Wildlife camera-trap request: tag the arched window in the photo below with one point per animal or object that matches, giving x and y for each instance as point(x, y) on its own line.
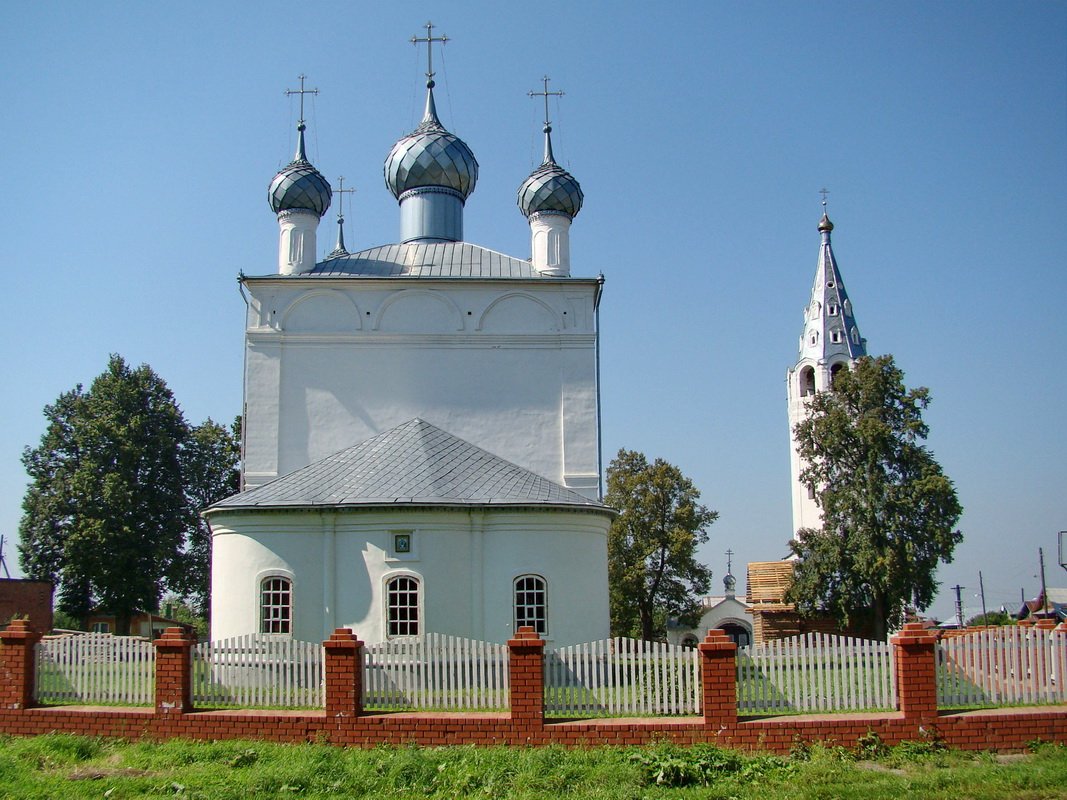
point(531, 603)
point(276, 605)
point(835, 371)
point(807, 381)
point(402, 609)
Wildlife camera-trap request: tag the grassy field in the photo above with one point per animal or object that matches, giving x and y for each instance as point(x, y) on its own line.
point(68, 767)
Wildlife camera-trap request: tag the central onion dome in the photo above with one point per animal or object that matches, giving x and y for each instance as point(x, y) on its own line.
point(431, 158)
point(299, 186)
point(550, 188)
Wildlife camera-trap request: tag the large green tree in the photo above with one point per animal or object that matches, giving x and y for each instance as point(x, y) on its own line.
point(106, 513)
point(889, 514)
point(652, 568)
point(210, 465)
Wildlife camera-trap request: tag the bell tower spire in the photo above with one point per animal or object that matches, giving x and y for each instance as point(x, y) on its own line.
point(829, 341)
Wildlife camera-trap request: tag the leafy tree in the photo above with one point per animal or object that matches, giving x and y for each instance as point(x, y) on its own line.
point(652, 567)
point(210, 460)
point(991, 618)
point(106, 512)
point(888, 511)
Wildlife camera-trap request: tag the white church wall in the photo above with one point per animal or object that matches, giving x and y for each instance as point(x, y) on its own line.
point(512, 370)
point(465, 560)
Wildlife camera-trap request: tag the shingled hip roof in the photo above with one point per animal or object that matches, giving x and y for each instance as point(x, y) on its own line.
point(414, 464)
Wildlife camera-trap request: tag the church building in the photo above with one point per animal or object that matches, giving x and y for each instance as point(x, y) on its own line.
point(421, 440)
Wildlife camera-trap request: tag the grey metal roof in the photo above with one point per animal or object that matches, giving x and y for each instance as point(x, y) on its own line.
point(415, 463)
point(422, 259)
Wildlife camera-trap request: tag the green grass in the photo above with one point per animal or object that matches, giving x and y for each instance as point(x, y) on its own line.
point(73, 767)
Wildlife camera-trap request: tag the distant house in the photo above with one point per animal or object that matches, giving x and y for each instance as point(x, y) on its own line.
point(775, 618)
point(1052, 605)
point(150, 626)
point(27, 599)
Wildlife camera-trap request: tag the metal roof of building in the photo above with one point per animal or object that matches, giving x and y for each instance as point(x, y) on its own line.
point(423, 259)
point(415, 463)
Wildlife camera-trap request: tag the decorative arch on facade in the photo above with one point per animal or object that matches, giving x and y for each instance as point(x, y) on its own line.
point(525, 313)
point(320, 311)
point(807, 381)
point(418, 311)
point(836, 368)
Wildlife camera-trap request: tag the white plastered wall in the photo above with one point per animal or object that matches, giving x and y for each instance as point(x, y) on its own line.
point(508, 366)
point(466, 561)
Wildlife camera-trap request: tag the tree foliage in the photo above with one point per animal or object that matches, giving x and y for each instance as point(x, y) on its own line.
point(210, 465)
point(652, 567)
point(888, 511)
point(112, 501)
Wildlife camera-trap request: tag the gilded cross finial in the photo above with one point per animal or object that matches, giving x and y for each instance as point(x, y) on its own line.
point(729, 562)
point(824, 191)
point(429, 40)
point(546, 94)
point(301, 91)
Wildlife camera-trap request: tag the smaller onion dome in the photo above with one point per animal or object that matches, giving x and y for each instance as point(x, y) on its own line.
point(431, 157)
point(299, 186)
point(825, 226)
point(550, 188)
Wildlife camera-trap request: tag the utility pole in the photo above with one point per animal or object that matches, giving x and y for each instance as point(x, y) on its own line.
point(1044, 599)
point(981, 590)
point(3, 563)
point(959, 605)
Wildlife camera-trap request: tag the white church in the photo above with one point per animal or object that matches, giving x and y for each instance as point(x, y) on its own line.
point(421, 440)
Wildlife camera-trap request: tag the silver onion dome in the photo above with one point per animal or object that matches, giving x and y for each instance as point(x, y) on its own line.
point(299, 186)
point(431, 157)
point(550, 187)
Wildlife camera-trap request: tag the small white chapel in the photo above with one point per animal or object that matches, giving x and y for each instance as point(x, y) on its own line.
point(421, 450)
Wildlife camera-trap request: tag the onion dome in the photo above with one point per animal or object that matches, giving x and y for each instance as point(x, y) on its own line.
point(550, 188)
point(825, 226)
point(299, 186)
point(431, 157)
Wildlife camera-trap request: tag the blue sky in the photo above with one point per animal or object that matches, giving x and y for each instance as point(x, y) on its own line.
point(140, 139)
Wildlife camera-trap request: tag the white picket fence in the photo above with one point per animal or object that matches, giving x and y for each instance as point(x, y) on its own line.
point(95, 668)
point(256, 671)
point(435, 671)
point(622, 676)
point(815, 672)
point(1005, 665)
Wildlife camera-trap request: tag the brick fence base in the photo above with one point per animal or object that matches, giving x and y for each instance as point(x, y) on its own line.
point(1005, 730)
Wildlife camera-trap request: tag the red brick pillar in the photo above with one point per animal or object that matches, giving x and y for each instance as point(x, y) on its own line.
point(526, 678)
point(916, 677)
point(174, 675)
point(1046, 624)
point(16, 664)
point(344, 674)
point(718, 681)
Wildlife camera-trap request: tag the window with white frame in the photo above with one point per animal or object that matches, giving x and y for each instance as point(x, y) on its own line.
point(276, 605)
point(402, 610)
point(531, 606)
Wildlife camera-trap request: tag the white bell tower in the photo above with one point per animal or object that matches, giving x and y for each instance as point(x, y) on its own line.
point(830, 341)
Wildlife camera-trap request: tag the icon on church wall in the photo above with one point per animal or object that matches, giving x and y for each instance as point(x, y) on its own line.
point(401, 543)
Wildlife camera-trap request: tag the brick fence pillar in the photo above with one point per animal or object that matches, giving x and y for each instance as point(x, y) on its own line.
point(174, 675)
point(916, 671)
point(16, 664)
point(526, 678)
point(344, 674)
point(718, 679)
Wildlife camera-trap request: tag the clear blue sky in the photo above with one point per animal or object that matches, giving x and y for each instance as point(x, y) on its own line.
point(140, 139)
